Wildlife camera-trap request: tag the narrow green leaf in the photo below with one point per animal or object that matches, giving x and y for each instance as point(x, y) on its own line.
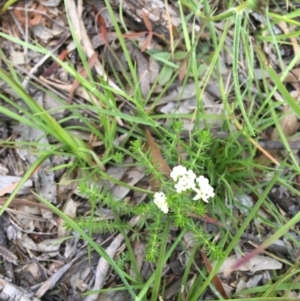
point(165, 74)
point(235, 68)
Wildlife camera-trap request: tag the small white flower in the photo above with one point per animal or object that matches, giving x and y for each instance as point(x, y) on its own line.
point(185, 178)
point(203, 195)
point(179, 188)
point(200, 195)
point(160, 201)
point(178, 171)
point(205, 191)
point(202, 181)
point(190, 175)
point(164, 208)
point(184, 183)
point(160, 196)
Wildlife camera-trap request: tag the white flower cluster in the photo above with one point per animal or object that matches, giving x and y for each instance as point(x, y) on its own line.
point(160, 201)
point(186, 180)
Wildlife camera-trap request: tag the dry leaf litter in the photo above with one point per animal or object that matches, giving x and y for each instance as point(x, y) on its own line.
point(42, 259)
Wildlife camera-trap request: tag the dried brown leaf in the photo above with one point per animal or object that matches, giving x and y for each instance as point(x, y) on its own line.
point(33, 17)
point(253, 264)
point(101, 23)
point(289, 123)
point(292, 77)
point(8, 188)
point(147, 42)
point(23, 202)
point(157, 160)
point(54, 66)
point(182, 71)
point(216, 280)
point(146, 20)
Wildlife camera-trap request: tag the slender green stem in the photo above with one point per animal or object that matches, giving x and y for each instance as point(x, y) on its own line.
point(235, 68)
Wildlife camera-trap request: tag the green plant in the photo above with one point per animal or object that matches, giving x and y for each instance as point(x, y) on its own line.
point(229, 164)
point(177, 207)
